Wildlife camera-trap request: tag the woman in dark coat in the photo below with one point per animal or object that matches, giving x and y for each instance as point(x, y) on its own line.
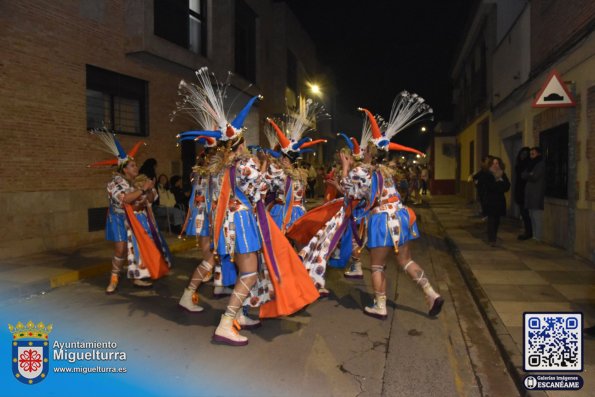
point(496, 185)
point(522, 163)
point(480, 178)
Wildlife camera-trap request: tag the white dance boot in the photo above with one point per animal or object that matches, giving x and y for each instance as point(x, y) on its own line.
point(137, 282)
point(246, 322)
point(113, 284)
point(379, 308)
point(228, 333)
point(355, 271)
point(220, 291)
point(189, 301)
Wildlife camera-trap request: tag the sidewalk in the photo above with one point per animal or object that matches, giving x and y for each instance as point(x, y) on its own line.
point(37, 274)
point(517, 277)
point(24, 276)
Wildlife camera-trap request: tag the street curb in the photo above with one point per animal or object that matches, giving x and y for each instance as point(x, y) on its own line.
point(93, 271)
point(68, 277)
point(510, 353)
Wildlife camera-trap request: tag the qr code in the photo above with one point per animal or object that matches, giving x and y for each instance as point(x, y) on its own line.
point(553, 341)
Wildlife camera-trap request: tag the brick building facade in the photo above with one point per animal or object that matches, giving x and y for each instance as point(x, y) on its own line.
point(46, 190)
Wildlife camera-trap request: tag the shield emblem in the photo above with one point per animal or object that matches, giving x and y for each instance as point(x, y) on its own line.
point(30, 360)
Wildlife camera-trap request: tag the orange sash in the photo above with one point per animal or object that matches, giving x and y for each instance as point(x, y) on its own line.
point(296, 290)
point(151, 257)
point(412, 216)
point(223, 203)
point(312, 221)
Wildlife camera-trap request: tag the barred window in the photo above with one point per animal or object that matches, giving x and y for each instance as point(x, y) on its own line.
point(116, 101)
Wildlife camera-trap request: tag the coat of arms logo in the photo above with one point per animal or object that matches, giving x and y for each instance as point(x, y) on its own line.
point(30, 351)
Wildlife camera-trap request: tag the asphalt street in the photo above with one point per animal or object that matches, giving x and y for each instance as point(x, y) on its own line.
point(328, 349)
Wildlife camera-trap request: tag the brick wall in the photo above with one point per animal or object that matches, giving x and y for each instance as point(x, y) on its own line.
point(45, 186)
point(553, 23)
point(44, 142)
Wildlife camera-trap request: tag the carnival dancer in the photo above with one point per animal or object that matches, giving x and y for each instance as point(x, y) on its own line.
point(333, 228)
point(284, 178)
point(244, 235)
point(197, 224)
point(390, 224)
point(130, 221)
point(205, 191)
point(351, 245)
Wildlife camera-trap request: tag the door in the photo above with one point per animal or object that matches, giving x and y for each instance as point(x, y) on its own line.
point(513, 145)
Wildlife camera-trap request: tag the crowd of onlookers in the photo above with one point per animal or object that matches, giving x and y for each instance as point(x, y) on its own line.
point(411, 178)
point(491, 183)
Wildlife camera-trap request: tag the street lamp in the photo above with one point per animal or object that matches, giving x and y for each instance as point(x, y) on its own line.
point(314, 88)
point(423, 129)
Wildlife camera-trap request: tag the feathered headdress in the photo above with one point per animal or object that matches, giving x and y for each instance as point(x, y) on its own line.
point(298, 122)
point(358, 148)
point(407, 109)
point(204, 101)
point(113, 146)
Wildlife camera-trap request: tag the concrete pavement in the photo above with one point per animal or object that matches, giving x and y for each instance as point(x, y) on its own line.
point(517, 277)
point(40, 273)
point(329, 349)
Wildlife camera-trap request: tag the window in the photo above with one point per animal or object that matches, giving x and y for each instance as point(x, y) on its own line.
point(116, 101)
point(554, 143)
point(245, 41)
point(182, 22)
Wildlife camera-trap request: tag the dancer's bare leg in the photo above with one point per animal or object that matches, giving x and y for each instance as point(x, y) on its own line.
point(225, 332)
point(417, 274)
point(378, 257)
point(117, 266)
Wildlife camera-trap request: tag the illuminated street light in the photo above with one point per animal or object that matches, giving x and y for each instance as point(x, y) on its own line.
point(423, 129)
point(315, 88)
point(417, 155)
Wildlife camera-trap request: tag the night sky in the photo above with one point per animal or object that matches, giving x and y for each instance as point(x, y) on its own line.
point(377, 48)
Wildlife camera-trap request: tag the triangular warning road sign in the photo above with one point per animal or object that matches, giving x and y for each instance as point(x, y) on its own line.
point(554, 93)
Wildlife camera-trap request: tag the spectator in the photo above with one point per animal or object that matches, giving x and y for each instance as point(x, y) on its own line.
point(165, 196)
point(173, 203)
point(148, 169)
point(522, 163)
point(480, 178)
point(414, 185)
point(402, 185)
point(311, 180)
point(496, 184)
point(425, 180)
point(535, 191)
point(178, 191)
point(320, 187)
point(167, 205)
point(161, 184)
